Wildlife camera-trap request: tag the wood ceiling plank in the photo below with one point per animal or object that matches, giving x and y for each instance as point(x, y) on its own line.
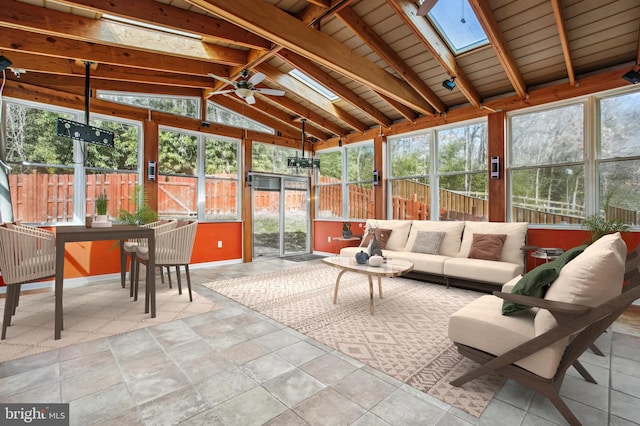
point(360, 28)
point(42, 44)
point(558, 14)
point(322, 77)
point(290, 84)
point(310, 115)
point(405, 111)
point(157, 13)
point(408, 11)
point(47, 21)
point(276, 25)
point(491, 28)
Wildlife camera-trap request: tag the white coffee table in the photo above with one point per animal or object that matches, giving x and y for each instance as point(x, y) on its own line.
point(392, 268)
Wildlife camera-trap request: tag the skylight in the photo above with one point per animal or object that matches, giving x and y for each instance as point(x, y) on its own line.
point(313, 84)
point(149, 26)
point(458, 25)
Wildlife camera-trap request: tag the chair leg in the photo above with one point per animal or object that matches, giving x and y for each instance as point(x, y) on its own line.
point(16, 299)
point(146, 288)
point(8, 309)
point(161, 275)
point(132, 270)
point(583, 372)
point(179, 282)
point(136, 281)
point(186, 269)
point(596, 350)
point(168, 276)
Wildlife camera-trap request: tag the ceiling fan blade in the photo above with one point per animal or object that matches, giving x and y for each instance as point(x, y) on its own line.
point(273, 92)
point(250, 100)
point(221, 92)
point(426, 6)
point(255, 79)
point(224, 80)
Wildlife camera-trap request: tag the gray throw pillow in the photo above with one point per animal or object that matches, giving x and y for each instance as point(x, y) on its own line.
point(428, 242)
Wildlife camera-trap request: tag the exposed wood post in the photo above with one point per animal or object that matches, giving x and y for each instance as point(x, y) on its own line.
point(497, 188)
point(247, 224)
point(151, 135)
point(380, 211)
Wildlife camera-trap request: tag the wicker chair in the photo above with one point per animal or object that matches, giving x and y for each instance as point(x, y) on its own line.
point(173, 248)
point(27, 254)
point(130, 249)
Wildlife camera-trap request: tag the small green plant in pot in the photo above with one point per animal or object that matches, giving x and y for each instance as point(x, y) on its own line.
point(346, 230)
point(143, 213)
point(599, 225)
point(102, 203)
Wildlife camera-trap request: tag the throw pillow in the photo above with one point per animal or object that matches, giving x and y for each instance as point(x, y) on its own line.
point(536, 282)
point(487, 246)
point(428, 242)
point(382, 235)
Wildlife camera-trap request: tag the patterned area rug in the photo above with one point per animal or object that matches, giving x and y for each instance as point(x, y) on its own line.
point(91, 312)
point(406, 338)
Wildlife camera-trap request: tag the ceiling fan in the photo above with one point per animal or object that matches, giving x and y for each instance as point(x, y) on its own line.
point(244, 88)
point(426, 6)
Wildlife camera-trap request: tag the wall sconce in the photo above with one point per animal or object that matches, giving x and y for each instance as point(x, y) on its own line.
point(449, 84)
point(495, 167)
point(376, 178)
point(632, 77)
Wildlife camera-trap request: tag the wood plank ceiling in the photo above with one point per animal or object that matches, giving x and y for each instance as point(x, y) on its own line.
point(385, 63)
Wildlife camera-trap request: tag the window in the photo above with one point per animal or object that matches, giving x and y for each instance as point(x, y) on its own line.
point(177, 180)
point(329, 185)
point(409, 181)
point(359, 182)
point(268, 158)
point(547, 165)
point(311, 83)
point(458, 25)
point(221, 181)
point(619, 159)
point(188, 107)
point(218, 114)
point(462, 172)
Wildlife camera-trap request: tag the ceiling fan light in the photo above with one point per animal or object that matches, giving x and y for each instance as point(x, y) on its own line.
point(243, 92)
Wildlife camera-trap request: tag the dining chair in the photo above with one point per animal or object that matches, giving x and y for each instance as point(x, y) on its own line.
point(173, 248)
point(27, 254)
point(131, 247)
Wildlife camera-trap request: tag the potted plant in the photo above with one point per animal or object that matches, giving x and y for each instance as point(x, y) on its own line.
point(599, 225)
point(101, 207)
point(143, 213)
point(346, 230)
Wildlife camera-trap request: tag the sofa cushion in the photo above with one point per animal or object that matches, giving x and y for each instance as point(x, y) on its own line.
point(427, 242)
point(516, 234)
point(535, 282)
point(450, 244)
point(489, 271)
point(487, 246)
point(398, 238)
point(382, 235)
point(426, 263)
point(481, 325)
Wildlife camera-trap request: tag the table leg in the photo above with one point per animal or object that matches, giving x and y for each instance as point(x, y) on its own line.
point(58, 287)
point(335, 292)
point(370, 294)
point(380, 286)
point(151, 283)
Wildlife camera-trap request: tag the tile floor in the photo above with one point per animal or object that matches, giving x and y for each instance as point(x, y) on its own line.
point(236, 367)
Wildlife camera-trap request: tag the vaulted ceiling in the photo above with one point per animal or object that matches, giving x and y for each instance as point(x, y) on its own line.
point(384, 62)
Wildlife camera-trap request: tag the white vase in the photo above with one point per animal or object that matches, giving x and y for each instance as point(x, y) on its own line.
point(102, 218)
point(376, 260)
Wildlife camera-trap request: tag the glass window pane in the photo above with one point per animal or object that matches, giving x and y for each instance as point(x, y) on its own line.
point(464, 197)
point(458, 25)
point(221, 158)
point(360, 163)
point(221, 198)
point(329, 201)
point(620, 190)
point(330, 166)
point(119, 188)
point(177, 196)
point(41, 195)
point(620, 126)
point(410, 155)
point(177, 153)
point(548, 195)
point(462, 149)
point(360, 202)
point(548, 137)
point(124, 154)
point(270, 158)
point(411, 199)
point(218, 114)
point(188, 107)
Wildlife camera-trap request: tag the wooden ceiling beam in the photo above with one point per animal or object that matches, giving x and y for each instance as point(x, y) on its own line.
point(492, 30)
point(283, 29)
point(310, 115)
point(405, 111)
point(360, 28)
point(408, 12)
point(48, 21)
point(158, 13)
point(558, 14)
point(332, 84)
point(61, 47)
point(313, 15)
point(290, 84)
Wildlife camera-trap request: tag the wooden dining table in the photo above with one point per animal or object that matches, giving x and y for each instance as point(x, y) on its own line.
point(69, 234)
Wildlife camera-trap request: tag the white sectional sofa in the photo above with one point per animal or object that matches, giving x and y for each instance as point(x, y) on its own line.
point(452, 265)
